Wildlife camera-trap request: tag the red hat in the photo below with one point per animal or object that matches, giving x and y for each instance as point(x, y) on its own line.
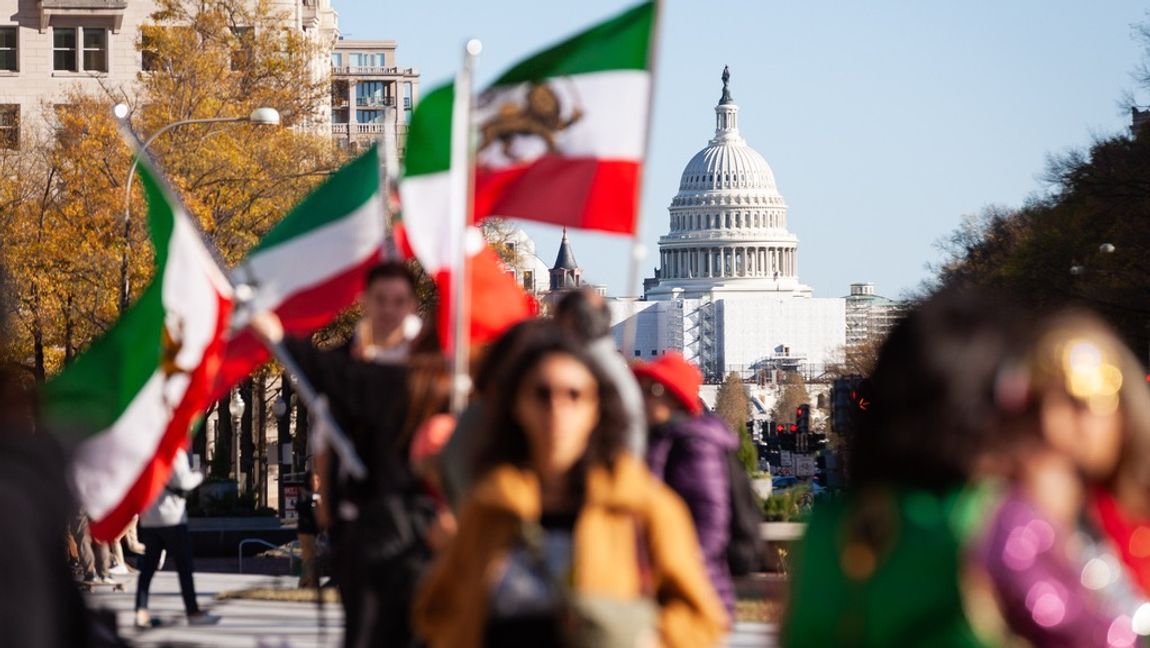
point(681, 378)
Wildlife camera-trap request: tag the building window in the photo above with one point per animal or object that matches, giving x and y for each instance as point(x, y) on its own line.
point(337, 59)
point(370, 93)
point(64, 49)
point(529, 280)
point(369, 116)
point(638, 353)
point(95, 49)
point(8, 49)
point(10, 126)
point(76, 49)
point(652, 353)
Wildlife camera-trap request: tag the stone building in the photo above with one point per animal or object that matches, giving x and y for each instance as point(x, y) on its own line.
point(370, 92)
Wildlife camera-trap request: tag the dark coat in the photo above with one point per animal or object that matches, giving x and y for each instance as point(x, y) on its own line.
point(690, 455)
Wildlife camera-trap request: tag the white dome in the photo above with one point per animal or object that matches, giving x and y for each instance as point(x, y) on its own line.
point(728, 164)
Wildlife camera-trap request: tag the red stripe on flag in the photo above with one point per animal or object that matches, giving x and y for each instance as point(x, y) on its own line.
point(155, 475)
point(301, 313)
point(585, 193)
point(497, 301)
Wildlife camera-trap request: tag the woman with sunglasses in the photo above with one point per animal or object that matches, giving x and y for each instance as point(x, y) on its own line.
point(566, 534)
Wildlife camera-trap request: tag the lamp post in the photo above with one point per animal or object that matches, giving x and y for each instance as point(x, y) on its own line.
point(262, 116)
point(236, 409)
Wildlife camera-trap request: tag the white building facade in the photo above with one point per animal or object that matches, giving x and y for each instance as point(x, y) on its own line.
point(727, 292)
point(50, 46)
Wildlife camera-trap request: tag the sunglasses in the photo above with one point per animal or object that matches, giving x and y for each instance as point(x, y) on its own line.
point(543, 394)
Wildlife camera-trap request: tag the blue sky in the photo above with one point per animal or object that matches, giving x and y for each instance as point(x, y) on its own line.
point(885, 122)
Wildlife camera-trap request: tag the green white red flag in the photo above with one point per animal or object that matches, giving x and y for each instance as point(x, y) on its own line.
point(129, 402)
point(561, 135)
point(312, 264)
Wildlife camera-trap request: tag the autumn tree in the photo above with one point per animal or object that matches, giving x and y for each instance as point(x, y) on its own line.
point(734, 407)
point(793, 394)
point(62, 205)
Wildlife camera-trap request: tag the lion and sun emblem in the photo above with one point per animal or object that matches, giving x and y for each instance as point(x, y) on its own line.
point(537, 116)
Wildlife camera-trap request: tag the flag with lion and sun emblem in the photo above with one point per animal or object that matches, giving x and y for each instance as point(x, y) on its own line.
point(560, 137)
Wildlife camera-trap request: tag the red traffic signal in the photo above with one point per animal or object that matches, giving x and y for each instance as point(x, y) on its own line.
point(794, 428)
point(780, 427)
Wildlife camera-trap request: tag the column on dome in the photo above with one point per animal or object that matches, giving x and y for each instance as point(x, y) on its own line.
point(763, 259)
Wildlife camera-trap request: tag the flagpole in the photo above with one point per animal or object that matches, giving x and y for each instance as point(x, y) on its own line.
point(638, 250)
point(462, 203)
point(388, 171)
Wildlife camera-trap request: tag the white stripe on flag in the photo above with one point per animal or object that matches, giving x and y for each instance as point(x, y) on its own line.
point(613, 125)
point(311, 259)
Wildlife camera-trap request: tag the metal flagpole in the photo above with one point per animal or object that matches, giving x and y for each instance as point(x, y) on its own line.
point(461, 203)
point(638, 250)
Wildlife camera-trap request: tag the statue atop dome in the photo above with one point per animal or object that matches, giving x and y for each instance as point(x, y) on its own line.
point(726, 98)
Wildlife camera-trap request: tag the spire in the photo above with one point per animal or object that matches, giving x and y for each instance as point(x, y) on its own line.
point(566, 258)
point(726, 113)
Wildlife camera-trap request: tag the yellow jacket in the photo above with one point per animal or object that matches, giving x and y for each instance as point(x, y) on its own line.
point(451, 607)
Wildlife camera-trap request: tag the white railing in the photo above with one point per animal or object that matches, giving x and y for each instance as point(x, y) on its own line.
point(372, 71)
point(358, 129)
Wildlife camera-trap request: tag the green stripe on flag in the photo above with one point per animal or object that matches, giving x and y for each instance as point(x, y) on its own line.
point(343, 193)
point(161, 215)
point(618, 44)
point(429, 135)
point(93, 392)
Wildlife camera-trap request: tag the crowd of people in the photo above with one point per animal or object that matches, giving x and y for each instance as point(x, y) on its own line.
point(998, 492)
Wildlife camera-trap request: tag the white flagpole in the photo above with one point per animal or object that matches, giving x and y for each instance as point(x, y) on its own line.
point(388, 172)
point(638, 250)
point(461, 204)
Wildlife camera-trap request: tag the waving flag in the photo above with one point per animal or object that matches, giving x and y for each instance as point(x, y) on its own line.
point(131, 399)
point(562, 135)
point(312, 264)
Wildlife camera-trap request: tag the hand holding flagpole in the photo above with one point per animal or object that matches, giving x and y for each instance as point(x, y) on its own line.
point(268, 328)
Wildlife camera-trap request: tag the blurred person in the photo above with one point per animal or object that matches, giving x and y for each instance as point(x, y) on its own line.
point(40, 603)
point(584, 313)
point(562, 522)
point(130, 539)
point(377, 525)
point(459, 455)
point(308, 531)
point(1081, 406)
point(95, 561)
point(164, 528)
point(886, 564)
point(689, 450)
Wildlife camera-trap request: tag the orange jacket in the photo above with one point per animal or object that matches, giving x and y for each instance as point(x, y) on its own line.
point(451, 606)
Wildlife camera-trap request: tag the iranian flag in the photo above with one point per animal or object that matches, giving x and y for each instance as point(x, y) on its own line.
point(312, 264)
point(561, 135)
point(131, 399)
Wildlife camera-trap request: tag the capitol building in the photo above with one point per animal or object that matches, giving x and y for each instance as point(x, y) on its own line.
point(727, 292)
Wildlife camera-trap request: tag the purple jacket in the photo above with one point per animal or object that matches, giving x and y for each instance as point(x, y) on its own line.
point(690, 455)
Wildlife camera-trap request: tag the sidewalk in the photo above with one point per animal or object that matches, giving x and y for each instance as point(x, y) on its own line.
point(266, 624)
point(246, 624)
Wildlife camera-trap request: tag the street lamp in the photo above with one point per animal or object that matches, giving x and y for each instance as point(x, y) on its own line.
point(262, 116)
point(236, 408)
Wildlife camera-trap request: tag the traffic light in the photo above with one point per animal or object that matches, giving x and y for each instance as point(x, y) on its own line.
point(803, 418)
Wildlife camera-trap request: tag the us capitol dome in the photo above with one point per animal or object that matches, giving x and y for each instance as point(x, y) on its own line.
point(728, 223)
